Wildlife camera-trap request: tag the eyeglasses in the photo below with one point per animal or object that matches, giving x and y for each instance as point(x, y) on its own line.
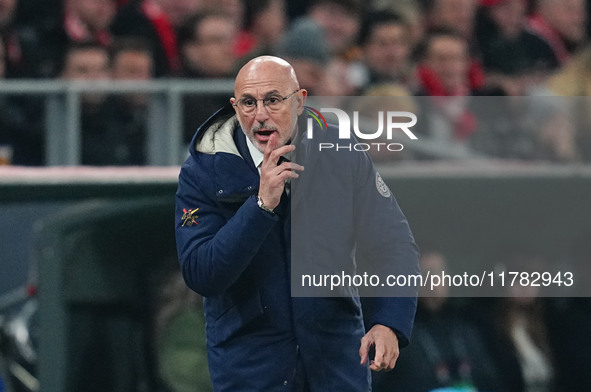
point(273, 102)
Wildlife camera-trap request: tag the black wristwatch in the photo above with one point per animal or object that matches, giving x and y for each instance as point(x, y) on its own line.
point(263, 207)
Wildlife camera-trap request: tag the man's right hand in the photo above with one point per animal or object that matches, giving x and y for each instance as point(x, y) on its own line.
point(273, 177)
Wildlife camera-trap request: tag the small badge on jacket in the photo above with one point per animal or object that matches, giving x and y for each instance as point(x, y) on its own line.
point(189, 217)
point(381, 185)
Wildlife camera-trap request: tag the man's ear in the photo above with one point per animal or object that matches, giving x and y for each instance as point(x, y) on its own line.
point(302, 100)
point(233, 101)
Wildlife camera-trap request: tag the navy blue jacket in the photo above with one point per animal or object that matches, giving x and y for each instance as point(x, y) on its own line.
point(242, 259)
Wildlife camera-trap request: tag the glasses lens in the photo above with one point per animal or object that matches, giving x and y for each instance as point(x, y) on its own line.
point(247, 104)
point(274, 102)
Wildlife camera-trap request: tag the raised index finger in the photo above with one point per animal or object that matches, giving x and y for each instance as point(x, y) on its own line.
point(272, 144)
point(273, 151)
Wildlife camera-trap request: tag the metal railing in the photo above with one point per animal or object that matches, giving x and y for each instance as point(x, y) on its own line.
point(165, 113)
point(165, 144)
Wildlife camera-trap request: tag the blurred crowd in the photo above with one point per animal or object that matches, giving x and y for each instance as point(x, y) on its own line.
point(450, 49)
point(515, 343)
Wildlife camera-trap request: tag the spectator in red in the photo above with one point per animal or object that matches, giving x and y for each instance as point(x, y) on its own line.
point(562, 24)
point(458, 16)
point(89, 20)
point(84, 21)
point(444, 67)
point(443, 72)
point(157, 21)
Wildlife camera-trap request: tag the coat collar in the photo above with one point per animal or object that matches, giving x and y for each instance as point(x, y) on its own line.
point(236, 176)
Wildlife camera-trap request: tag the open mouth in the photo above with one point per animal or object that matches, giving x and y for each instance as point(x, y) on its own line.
point(264, 135)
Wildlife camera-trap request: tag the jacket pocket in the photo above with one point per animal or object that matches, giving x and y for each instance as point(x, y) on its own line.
point(237, 316)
